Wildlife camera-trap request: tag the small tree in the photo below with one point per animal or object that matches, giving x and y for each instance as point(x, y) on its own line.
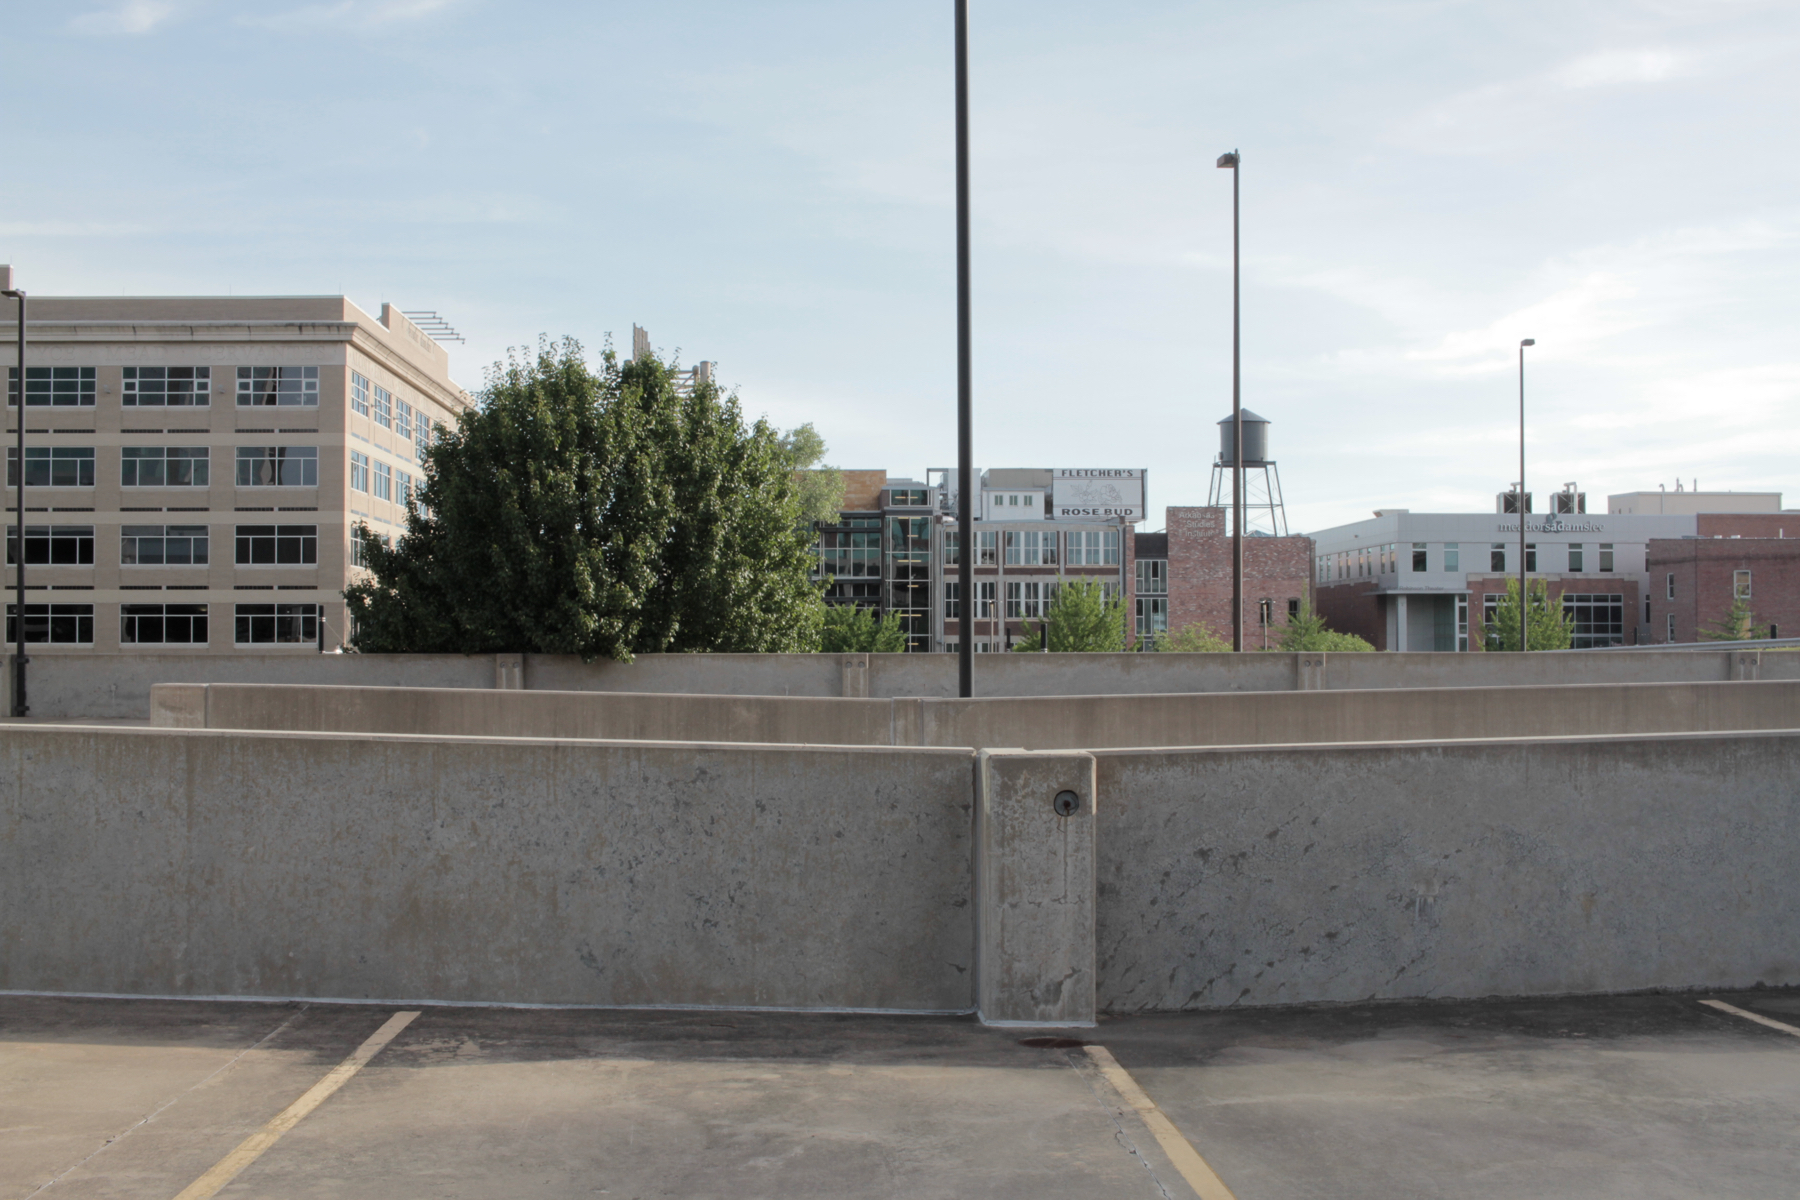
point(853, 629)
point(1546, 626)
point(1737, 625)
point(1307, 631)
point(1194, 638)
point(1082, 619)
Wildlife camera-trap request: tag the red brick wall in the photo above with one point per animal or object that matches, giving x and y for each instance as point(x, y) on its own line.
point(1748, 525)
point(1351, 606)
point(1704, 570)
point(1200, 574)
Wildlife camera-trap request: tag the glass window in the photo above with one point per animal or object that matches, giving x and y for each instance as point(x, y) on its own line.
point(1575, 556)
point(952, 602)
point(952, 547)
point(259, 386)
point(384, 407)
point(988, 545)
point(1606, 556)
point(277, 545)
point(57, 387)
point(403, 420)
point(403, 485)
point(907, 496)
point(359, 471)
point(1671, 585)
point(1671, 630)
point(46, 466)
point(1452, 556)
point(165, 466)
point(359, 395)
point(384, 481)
point(1030, 548)
point(1153, 577)
point(1027, 598)
point(280, 466)
point(1497, 557)
point(147, 387)
point(1419, 555)
point(52, 546)
point(1740, 585)
point(421, 436)
point(281, 623)
point(1152, 615)
point(163, 546)
point(1531, 556)
point(1594, 620)
point(162, 624)
point(70, 624)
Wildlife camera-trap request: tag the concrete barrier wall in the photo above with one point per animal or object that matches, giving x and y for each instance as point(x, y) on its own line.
point(1033, 723)
point(82, 685)
point(203, 863)
point(1338, 873)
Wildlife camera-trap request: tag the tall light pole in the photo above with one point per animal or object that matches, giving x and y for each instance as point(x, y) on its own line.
point(1237, 427)
point(1524, 598)
point(965, 422)
point(19, 707)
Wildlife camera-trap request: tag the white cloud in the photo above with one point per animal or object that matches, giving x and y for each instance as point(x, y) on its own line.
point(1611, 67)
point(131, 17)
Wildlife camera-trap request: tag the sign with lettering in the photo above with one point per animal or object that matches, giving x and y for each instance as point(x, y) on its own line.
point(1081, 494)
point(1554, 525)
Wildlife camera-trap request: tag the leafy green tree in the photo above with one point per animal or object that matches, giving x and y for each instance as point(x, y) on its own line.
point(1194, 638)
point(598, 514)
point(853, 629)
point(820, 488)
point(1081, 618)
point(1546, 626)
point(1737, 625)
point(1307, 631)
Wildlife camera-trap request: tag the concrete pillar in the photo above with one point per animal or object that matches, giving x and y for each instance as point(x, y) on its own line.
point(509, 672)
point(1309, 671)
point(1400, 616)
point(853, 676)
point(1034, 888)
point(1746, 664)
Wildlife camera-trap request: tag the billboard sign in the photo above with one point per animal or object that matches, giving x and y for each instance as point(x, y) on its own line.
point(1098, 494)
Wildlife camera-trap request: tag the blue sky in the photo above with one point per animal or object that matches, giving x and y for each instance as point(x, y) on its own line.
point(769, 185)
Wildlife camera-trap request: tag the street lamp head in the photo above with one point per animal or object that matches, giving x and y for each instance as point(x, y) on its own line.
point(1529, 342)
point(1229, 159)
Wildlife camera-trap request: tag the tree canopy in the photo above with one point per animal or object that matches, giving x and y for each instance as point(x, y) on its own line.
point(1737, 625)
point(1545, 626)
point(595, 513)
point(853, 629)
point(1307, 631)
point(1196, 637)
point(820, 488)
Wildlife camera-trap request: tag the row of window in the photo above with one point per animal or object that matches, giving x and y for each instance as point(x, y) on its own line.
point(1370, 561)
point(1594, 619)
point(165, 545)
point(166, 624)
point(388, 411)
point(379, 479)
point(165, 387)
point(1024, 598)
point(1740, 586)
point(165, 466)
point(1038, 547)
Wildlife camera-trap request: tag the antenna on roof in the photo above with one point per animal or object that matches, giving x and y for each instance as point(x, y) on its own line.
point(432, 325)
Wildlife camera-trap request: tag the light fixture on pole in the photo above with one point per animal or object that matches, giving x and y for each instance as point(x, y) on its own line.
point(965, 421)
point(1524, 605)
point(19, 707)
point(1231, 161)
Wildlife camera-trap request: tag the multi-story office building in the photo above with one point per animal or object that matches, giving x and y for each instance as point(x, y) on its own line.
point(193, 466)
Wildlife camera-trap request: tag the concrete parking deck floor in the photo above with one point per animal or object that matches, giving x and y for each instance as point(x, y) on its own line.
point(1640, 1097)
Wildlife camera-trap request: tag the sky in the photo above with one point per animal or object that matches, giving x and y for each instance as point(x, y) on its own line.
point(770, 186)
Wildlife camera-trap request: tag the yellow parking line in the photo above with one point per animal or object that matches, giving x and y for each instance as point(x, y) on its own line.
point(1750, 1016)
point(252, 1147)
point(1201, 1177)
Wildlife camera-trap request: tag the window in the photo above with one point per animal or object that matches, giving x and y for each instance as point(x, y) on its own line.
point(384, 407)
point(1575, 556)
point(1671, 593)
point(149, 387)
point(984, 600)
point(1293, 608)
point(163, 546)
point(1026, 548)
point(850, 553)
point(162, 624)
point(1531, 556)
point(1419, 556)
point(279, 466)
point(952, 602)
point(384, 481)
point(70, 624)
point(985, 590)
point(1646, 610)
point(403, 484)
point(1740, 585)
point(1597, 620)
point(1606, 556)
point(1153, 576)
point(1462, 623)
point(52, 546)
point(403, 420)
point(259, 386)
point(1452, 556)
point(262, 623)
point(359, 395)
point(1025, 599)
point(165, 466)
point(57, 387)
point(907, 496)
point(421, 436)
point(1152, 615)
point(46, 466)
point(1671, 633)
point(1093, 547)
point(277, 545)
point(987, 543)
point(1497, 557)
point(952, 547)
point(359, 471)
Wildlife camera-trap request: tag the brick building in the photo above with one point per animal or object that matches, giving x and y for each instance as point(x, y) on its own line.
point(1191, 562)
point(1695, 581)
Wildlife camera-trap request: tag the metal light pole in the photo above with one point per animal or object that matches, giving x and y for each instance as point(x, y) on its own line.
point(965, 423)
point(19, 707)
point(1524, 598)
point(1237, 427)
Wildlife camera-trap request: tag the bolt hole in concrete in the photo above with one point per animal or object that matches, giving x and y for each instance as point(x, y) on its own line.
point(1067, 804)
point(1052, 1043)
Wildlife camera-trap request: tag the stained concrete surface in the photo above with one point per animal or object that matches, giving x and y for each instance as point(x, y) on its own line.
point(1643, 1096)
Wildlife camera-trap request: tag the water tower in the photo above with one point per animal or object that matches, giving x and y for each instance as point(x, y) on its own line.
point(1264, 512)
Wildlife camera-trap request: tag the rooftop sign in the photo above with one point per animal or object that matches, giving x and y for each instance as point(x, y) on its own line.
point(1097, 494)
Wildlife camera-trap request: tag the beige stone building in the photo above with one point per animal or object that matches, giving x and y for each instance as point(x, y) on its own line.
point(193, 466)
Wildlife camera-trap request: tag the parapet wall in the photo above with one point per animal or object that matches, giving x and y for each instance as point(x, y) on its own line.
point(1032, 722)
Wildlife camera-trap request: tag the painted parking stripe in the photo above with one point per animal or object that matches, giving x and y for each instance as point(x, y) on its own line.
point(252, 1147)
point(1735, 1011)
point(1201, 1177)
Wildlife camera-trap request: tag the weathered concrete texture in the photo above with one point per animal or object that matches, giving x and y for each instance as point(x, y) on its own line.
point(199, 863)
point(1032, 722)
point(84, 685)
point(1336, 873)
point(1035, 887)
